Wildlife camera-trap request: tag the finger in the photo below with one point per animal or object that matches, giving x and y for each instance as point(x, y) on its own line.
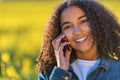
point(61, 48)
point(57, 41)
point(53, 42)
point(68, 52)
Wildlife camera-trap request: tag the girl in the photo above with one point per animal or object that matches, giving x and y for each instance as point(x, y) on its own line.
point(81, 41)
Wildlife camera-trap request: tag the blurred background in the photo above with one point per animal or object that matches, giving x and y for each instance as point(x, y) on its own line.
point(22, 24)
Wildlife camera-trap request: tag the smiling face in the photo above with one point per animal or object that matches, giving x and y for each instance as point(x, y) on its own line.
point(75, 26)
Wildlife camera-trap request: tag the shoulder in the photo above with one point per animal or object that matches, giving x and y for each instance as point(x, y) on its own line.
point(114, 70)
point(110, 64)
point(115, 63)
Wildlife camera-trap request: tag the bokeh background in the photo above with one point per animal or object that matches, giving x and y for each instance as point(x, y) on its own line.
point(22, 23)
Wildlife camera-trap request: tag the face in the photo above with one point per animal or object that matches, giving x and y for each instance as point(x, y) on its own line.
point(75, 26)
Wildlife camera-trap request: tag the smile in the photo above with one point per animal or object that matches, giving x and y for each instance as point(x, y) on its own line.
point(82, 39)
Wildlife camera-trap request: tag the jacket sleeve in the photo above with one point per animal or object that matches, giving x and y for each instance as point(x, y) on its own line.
point(41, 76)
point(56, 74)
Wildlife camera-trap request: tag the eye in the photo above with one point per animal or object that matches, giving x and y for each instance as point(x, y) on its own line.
point(83, 21)
point(66, 27)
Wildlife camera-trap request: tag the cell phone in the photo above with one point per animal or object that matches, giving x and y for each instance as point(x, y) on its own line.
point(64, 39)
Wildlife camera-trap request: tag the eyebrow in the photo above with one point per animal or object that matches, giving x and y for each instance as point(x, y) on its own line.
point(65, 23)
point(81, 16)
point(69, 22)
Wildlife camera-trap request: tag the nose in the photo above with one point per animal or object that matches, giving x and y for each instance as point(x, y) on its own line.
point(76, 30)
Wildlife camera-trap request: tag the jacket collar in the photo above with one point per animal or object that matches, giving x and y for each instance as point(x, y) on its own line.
point(105, 63)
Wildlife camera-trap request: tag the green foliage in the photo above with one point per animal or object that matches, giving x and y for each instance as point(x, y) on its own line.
point(21, 32)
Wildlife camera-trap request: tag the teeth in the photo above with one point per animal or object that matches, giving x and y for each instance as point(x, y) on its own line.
point(82, 39)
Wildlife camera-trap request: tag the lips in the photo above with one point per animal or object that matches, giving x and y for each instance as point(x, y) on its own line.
point(80, 40)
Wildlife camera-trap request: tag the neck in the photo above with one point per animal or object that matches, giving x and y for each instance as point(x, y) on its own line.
point(91, 54)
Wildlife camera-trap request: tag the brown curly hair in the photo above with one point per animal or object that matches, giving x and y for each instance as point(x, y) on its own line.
point(105, 29)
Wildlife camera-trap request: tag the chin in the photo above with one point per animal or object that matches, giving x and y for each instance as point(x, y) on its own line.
point(86, 48)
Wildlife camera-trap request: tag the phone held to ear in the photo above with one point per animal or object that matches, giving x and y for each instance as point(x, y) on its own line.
point(66, 47)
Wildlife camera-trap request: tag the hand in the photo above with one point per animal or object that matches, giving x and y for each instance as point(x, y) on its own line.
point(61, 57)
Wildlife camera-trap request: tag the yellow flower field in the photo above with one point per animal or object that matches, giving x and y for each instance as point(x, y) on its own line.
point(22, 25)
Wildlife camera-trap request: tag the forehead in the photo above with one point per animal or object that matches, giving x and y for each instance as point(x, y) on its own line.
point(72, 11)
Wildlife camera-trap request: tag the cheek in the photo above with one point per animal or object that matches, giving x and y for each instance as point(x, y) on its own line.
point(86, 29)
point(85, 26)
point(68, 34)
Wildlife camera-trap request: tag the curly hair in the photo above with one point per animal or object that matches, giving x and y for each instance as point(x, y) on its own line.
point(105, 31)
